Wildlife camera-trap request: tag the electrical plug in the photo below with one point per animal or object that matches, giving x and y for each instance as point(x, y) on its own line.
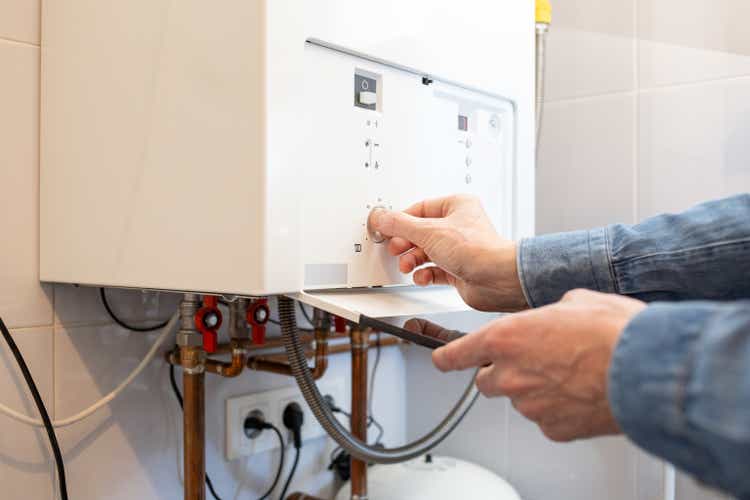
point(255, 423)
point(293, 418)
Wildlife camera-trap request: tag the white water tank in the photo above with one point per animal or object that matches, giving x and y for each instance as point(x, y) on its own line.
point(433, 478)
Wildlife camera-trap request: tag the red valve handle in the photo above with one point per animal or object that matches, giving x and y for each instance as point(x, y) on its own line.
point(208, 321)
point(339, 324)
point(257, 317)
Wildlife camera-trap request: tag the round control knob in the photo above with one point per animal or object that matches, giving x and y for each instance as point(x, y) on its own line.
point(375, 236)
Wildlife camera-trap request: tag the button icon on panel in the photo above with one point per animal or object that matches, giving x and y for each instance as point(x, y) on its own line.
point(366, 90)
point(368, 98)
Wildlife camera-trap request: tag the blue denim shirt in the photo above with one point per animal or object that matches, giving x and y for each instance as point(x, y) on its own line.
point(679, 381)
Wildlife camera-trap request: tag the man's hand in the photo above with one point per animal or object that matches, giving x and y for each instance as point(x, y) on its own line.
point(455, 235)
point(552, 362)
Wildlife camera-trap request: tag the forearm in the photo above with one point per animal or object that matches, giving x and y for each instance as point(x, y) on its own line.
point(703, 253)
point(679, 386)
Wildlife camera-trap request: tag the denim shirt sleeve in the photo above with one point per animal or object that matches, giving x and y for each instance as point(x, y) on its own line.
point(679, 386)
point(703, 253)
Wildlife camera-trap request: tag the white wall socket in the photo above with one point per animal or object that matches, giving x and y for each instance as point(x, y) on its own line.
point(272, 404)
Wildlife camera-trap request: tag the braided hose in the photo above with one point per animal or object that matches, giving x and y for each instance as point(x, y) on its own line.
point(333, 427)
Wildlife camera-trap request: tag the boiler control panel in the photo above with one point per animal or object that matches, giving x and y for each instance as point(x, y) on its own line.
point(402, 137)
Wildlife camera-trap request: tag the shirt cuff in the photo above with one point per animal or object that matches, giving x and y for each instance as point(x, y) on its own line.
point(649, 376)
point(549, 266)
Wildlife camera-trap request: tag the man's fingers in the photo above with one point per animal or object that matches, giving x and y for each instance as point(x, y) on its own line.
point(486, 381)
point(467, 352)
point(433, 276)
point(397, 246)
point(492, 342)
point(433, 208)
point(402, 225)
point(423, 327)
point(504, 378)
point(412, 260)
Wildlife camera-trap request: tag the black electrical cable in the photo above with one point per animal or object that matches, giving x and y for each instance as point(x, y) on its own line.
point(305, 314)
point(291, 473)
point(120, 322)
point(177, 395)
point(42, 410)
point(281, 463)
point(293, 418)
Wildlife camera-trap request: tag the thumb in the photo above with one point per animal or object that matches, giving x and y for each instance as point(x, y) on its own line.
point(399, 224)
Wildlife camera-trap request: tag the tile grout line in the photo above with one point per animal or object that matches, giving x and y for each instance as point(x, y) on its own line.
point(13, 41)
point(637, 91)
point(25, 328)
point(693, 84)
point(604, 95)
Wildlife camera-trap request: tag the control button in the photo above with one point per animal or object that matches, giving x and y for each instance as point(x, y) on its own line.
point(495, 124)
point(368, 98)
point(468, 142)
point(468, 161)
point(375, 236)
point(468, 178)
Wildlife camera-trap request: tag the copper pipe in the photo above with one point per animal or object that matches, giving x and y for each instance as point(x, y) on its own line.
point(194, 422)
point(230, 369)
point(236, 365)
point(305, 338)
point(280, 358)
point(335, 349)
point(321, 352)
point(359, 344)
point(264, 364)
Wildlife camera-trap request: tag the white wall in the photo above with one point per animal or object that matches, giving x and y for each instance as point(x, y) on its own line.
point(130, 449)
point(648, 110)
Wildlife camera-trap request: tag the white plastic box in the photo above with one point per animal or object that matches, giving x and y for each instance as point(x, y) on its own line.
point(232, 147)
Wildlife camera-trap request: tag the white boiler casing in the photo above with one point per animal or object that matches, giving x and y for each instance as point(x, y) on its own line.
point(237, 147)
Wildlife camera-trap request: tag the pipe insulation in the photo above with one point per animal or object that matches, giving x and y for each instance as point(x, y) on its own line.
point(357, 448)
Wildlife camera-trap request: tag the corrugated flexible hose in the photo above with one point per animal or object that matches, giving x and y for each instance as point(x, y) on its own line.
point(358, 449)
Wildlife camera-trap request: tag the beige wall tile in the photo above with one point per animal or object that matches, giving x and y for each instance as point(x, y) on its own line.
point(694, 145)
point(586, 164)
point(81, 305)
point(591, 48)
point(19, 20)
point(23, 302)
point(593, 469)
point(699, 40)
point(26, 463)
